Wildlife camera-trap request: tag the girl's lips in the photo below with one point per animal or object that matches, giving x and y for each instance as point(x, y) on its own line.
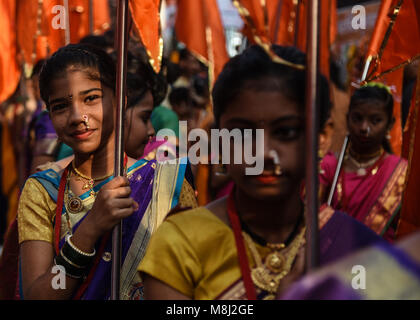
point(268, 179)
point(82, 135)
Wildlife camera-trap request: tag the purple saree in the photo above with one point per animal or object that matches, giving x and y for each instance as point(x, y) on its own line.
point(156, 188)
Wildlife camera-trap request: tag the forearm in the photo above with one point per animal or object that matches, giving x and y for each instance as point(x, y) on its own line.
point(52, 285)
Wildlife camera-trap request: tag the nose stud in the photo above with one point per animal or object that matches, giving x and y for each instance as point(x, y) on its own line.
point(277, 168)
point(85, 119)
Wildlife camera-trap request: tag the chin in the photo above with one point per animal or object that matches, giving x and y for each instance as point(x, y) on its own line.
point(268, 192)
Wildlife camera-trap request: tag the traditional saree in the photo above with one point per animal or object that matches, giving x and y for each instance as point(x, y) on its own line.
point(156, 187)
point(194, 252)
point(373, 199)
point(387, 273)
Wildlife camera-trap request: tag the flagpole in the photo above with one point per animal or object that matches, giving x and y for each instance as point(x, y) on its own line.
point(91, 26)
point(67, 22)
point(277, 25)
point(312, 74)
point(121, 40)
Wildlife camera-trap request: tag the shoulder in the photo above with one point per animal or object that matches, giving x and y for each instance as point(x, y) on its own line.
point(194, 217)
point(57, 166)
point(196, 226)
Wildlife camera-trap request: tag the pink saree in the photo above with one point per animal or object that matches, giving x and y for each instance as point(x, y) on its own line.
point(373, 199)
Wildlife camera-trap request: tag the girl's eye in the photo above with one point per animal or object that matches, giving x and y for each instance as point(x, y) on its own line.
point(376, 120)
point(287, 133)
point(91, 98)
point(58, 107)
point(356, 117)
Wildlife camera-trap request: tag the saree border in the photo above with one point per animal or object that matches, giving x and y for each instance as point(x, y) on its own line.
point(164, 197)
point(386, 207)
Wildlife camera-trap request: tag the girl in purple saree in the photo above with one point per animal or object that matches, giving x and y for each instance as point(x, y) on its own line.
point(66, 213)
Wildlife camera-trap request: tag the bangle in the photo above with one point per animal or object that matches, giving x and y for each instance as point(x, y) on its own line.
point(73, 254)
point(77, 249)
point(72, 272)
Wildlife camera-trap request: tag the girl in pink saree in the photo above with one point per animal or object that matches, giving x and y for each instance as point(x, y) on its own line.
point(371, 181)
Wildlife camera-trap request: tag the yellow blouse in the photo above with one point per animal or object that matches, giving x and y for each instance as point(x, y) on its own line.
point(194, 252)
point(36, 211)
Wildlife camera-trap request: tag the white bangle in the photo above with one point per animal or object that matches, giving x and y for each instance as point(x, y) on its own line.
point(78, 250)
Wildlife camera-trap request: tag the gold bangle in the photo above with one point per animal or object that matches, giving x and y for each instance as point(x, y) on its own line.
point(78, 250)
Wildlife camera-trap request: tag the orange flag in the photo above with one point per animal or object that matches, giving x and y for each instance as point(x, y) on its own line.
point(396, 37)
point(146, 19)
point(40, 25)
point(410, 212)
point(9, 69)
point(79, 18)
point(199, 26)
point(284, 22)
point(395, 41)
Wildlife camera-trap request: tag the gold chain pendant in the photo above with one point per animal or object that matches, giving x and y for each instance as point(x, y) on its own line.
point(275, 262)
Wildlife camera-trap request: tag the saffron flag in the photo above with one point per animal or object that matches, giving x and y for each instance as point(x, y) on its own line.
point(42, 25)
point(9, 68)
point(395, 41)
point(410, 212)
point(146, 19)
point(396, 36)
point(283, 22)
point(199, 26)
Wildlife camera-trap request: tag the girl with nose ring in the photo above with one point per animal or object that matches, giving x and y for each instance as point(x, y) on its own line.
point(66, 213)
point(250, 244)
point(371, 180)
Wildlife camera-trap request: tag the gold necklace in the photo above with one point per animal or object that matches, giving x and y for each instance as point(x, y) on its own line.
point(361, 166)
point(90, 181)
point(74, 204)
point(277, 264)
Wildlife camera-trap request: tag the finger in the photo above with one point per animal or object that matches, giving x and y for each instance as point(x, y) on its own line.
point(117, 182)
point(124, 213)
point(123, 203)
point(122, 192)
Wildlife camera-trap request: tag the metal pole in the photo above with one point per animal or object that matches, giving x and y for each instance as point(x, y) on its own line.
point(91, 24)
point(122, 18)
point(337, 170)
point(312, 73)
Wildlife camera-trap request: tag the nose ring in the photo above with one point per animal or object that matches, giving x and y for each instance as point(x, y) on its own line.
point(277, 168)
point(85, 119)
point(368, 131)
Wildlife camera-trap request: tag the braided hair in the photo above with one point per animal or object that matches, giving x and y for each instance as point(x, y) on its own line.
point(96, 63)
point(254, 65)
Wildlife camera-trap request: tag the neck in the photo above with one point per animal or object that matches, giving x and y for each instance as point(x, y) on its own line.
point(273, 221)
point(96, 164)
point(365, 156)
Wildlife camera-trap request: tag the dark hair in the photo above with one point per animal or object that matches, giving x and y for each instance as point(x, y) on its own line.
point(96, 62)
point(254, 64)
point(137, 88)
point(36, 70)
point(100, 42)
point(138, 64)
point(181, 94)
point(374, 94)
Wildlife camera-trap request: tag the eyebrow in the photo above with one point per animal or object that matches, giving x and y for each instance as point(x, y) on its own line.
point(82, 93)
point(90, 90)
